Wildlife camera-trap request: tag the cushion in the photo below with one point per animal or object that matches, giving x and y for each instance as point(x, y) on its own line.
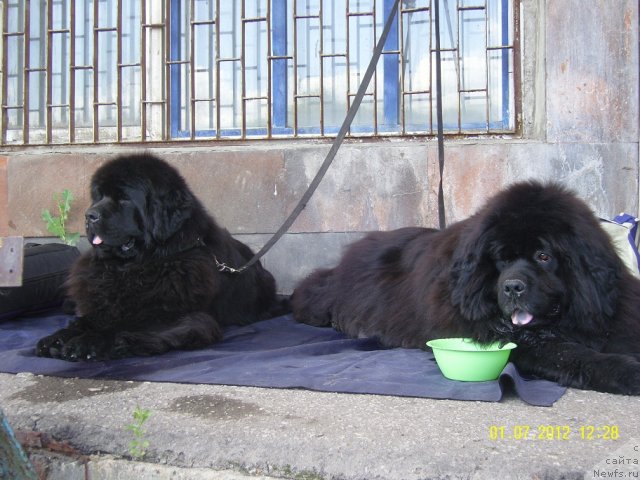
point(45, 269)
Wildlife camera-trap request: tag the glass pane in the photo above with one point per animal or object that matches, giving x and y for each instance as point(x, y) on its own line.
point(204, 61)
point(308, 57)
point(107, 68)
point(500, 25)
point(473, 68)
point(364, 121)
point(334, 28)
point(450, 100)
point(230, 29)
point(256, 69)
point(309, 114)
point(107, 13)
point(84, 37)
point(307, 7)
point(131, 55)
point(60, 78)
point(501, 106)
point(361, 46)
point(83, 97)
point(205, 116)
point(472, 3)
point(37, 37)
point(180, 75)
point(255, 8)
point(334, 90)
point(473, 110)
point(388, 82)
point(417, 113)
point(131, 95)
point(448, 25)
point(14, 71)
point(415, 58)
point(231, 97)
point(203, 10)
point(37, 86)
point(257, 115)
point(361, 6)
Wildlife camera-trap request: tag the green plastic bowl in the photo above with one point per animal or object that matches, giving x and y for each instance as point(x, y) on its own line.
point(466, 360)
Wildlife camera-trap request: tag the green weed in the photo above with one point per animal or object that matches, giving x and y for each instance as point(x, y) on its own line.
point(56, 224)
point(138, 446)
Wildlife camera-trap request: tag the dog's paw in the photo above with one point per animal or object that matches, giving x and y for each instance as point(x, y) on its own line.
point(50, 346)
point(123, 345)
point(617, 374)
point(628, 382)
point(84, 348)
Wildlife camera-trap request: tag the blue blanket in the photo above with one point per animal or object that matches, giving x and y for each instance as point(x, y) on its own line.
point(277, 353)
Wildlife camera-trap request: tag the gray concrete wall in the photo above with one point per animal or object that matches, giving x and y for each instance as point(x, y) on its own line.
point(579, 125)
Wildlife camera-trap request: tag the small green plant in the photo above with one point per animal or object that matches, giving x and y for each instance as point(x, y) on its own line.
point(57, 224)
point(138, 446)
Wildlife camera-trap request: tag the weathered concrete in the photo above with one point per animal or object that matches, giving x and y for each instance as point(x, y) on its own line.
point(295, 255)
point(4, 200)
point(369, 187)
point(302, 434)
point(592, 71)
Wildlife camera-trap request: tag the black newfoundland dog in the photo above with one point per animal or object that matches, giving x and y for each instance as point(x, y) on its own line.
point(150, 283)
point(533, 266)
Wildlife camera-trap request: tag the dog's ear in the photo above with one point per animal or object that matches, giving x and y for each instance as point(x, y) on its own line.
point(593, 271)
point(167, 212)
point(473, 276)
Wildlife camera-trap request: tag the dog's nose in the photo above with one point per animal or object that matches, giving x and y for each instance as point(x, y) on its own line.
point(92, 215)
point(513, 287)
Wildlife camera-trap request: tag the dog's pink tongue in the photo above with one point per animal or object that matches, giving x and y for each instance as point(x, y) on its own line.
point(520, 317)
point(96, 240)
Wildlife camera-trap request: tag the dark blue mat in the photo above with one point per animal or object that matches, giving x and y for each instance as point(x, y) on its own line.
point(277, 353)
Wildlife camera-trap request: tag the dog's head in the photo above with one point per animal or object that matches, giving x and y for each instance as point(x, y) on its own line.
point(535, 256)
point(138, 203)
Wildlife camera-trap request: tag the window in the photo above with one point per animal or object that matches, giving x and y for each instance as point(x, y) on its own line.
point(87, 71)
point(69, 68)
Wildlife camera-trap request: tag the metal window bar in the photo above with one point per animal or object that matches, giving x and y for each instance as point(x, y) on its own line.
point(269, 96)
point(6, 108)
point(217, 74)
point(291, 87)
point(72, 75)
point(56, 89)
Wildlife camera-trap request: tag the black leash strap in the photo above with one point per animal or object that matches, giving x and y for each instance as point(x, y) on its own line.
point(441, 213)
point(346, 124)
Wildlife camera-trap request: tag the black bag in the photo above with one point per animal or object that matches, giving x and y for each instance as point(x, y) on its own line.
point(45, 269)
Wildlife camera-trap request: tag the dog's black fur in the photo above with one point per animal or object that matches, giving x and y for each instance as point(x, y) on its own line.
point(150, 282)
point(533, 266)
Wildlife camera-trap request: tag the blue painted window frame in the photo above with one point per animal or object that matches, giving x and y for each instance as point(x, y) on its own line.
point(174, 72)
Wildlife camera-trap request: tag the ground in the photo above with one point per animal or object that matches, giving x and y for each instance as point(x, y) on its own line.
point(226, 432)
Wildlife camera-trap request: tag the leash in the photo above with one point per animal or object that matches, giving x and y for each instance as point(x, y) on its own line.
point(441, 213)
point(346, 124)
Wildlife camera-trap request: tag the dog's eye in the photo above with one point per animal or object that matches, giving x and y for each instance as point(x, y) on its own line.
point(543, 257)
